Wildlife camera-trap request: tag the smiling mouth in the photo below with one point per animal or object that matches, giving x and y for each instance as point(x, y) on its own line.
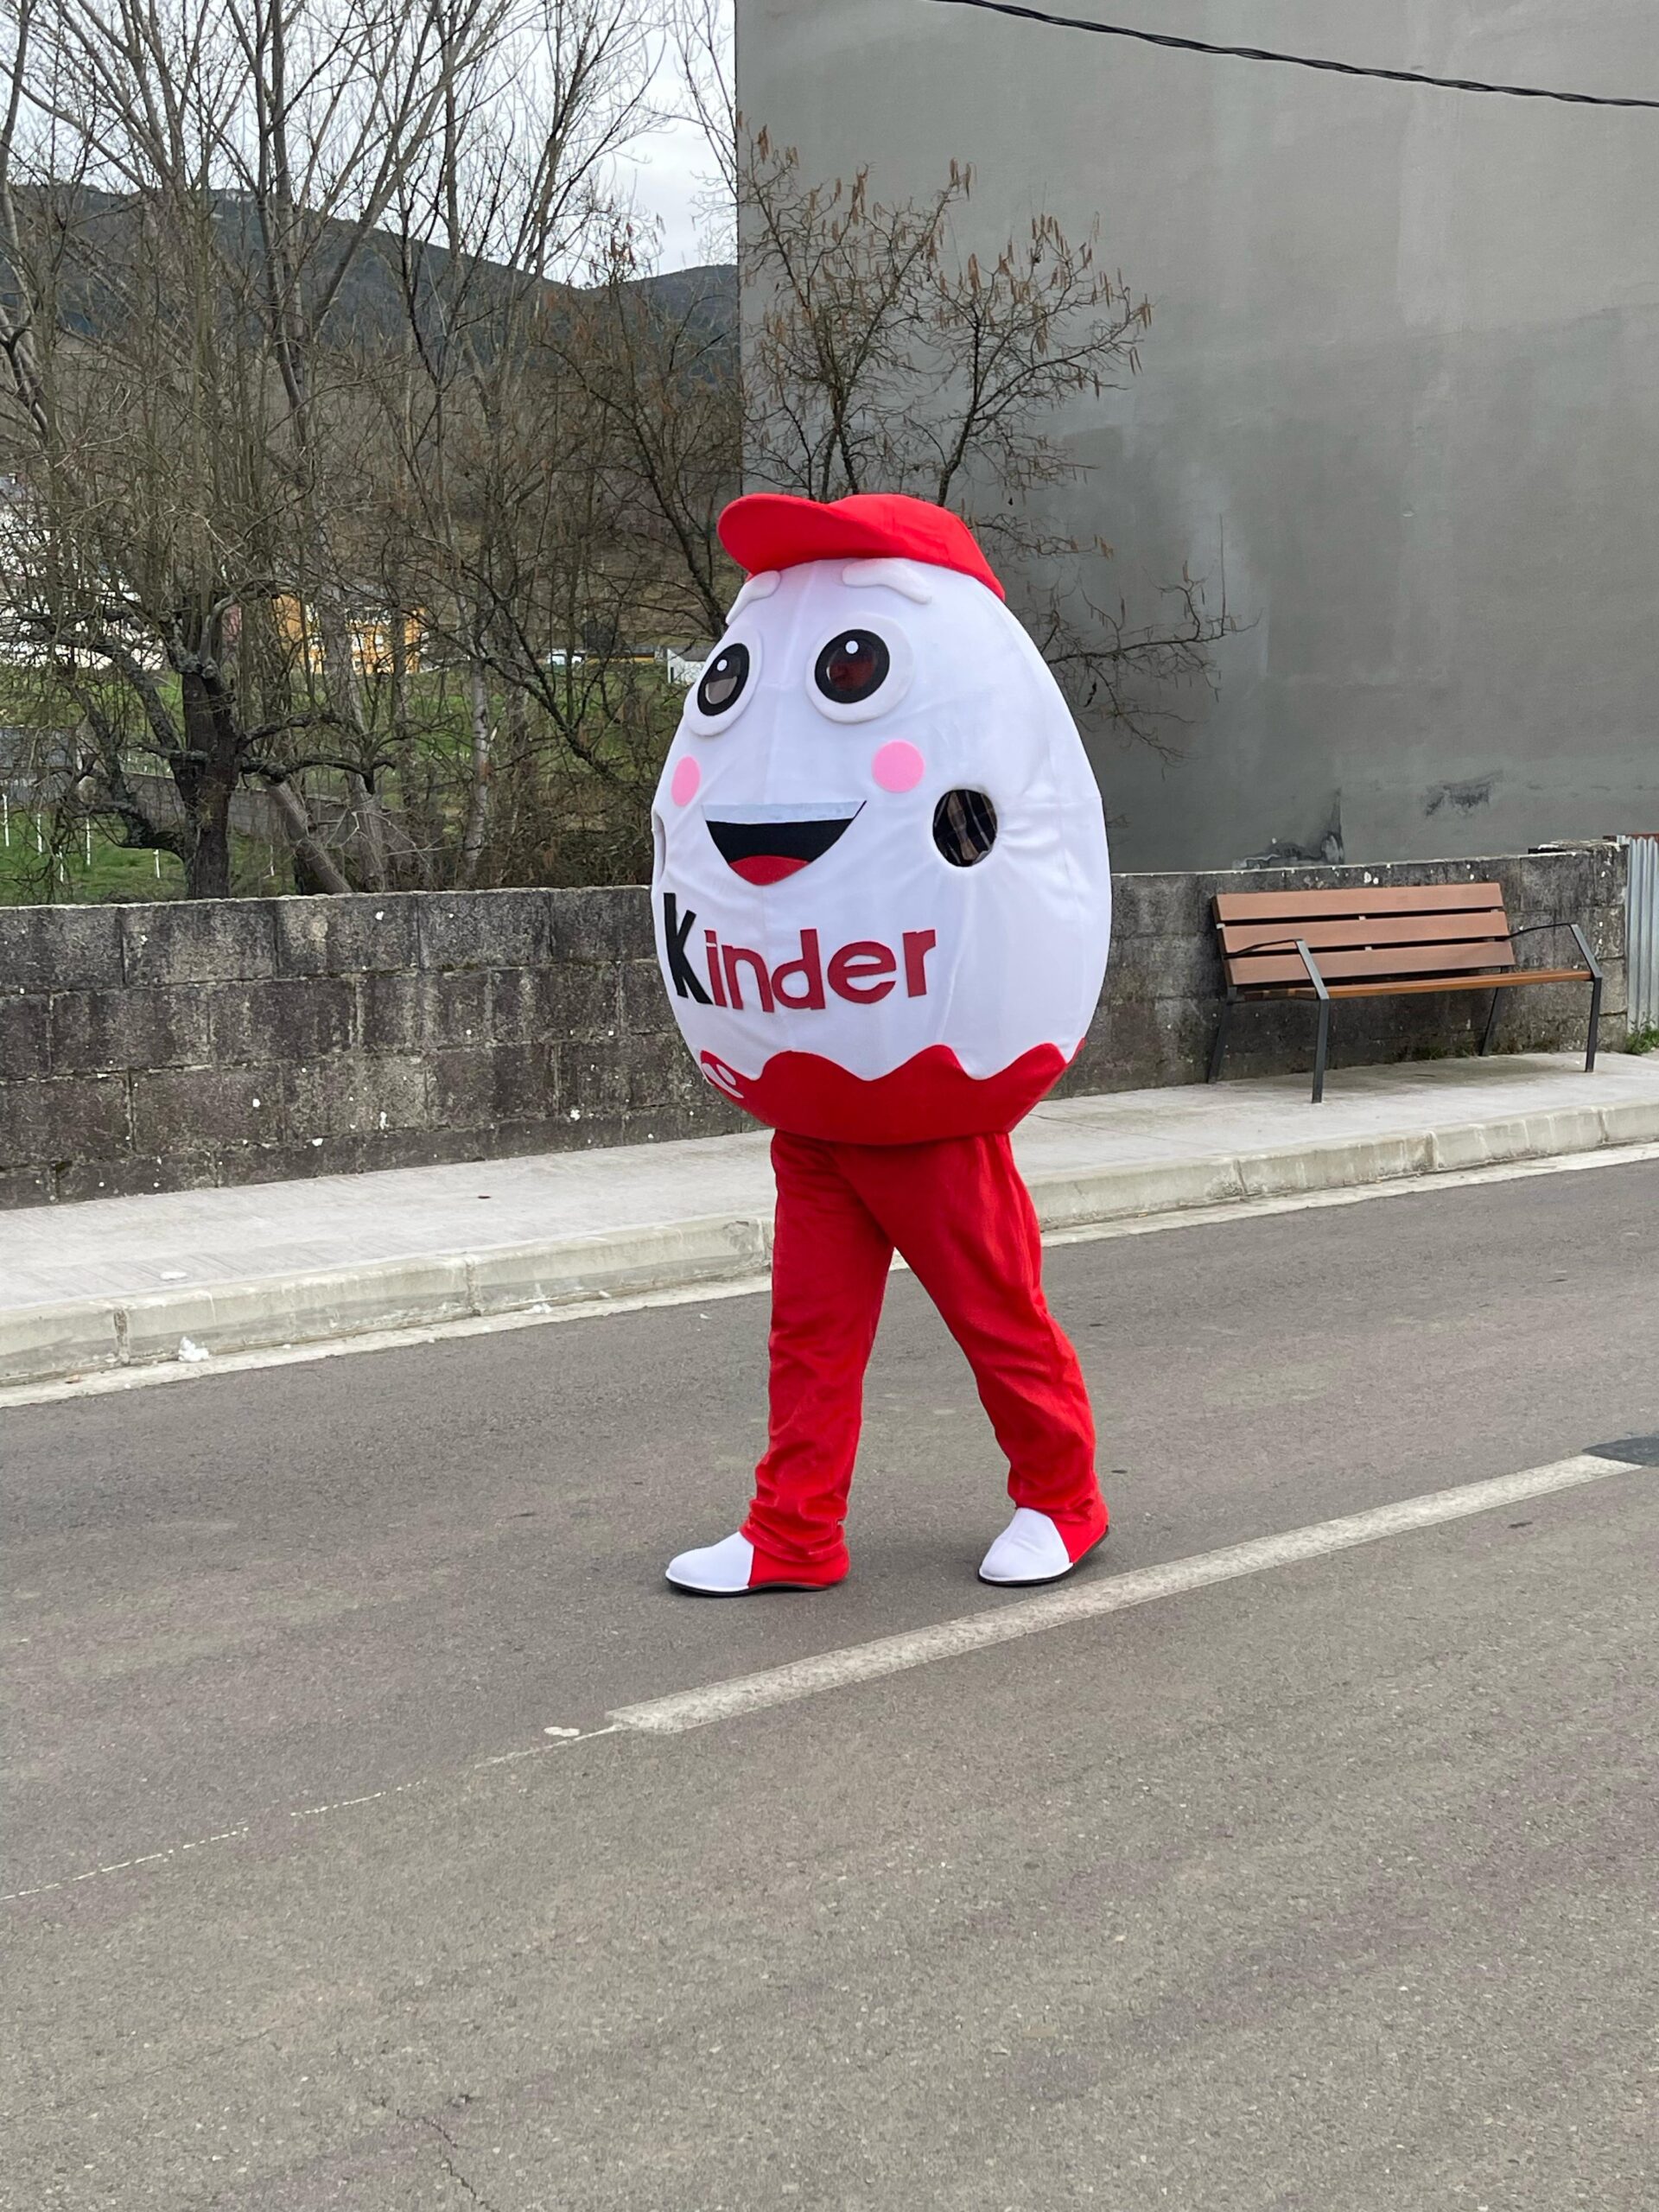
point(764, 844)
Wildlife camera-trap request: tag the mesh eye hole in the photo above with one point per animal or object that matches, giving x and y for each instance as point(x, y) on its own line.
point(852, 667)
point(964, 827)
point(722, 682)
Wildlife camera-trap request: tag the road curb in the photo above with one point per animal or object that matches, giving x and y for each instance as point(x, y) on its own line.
point(49, 1343)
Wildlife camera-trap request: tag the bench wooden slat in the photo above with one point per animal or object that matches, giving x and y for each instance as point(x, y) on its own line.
point(1373, 962)
point(1462, 983)
point(1370, 929)
point(1400, 986)
point(1366, 898)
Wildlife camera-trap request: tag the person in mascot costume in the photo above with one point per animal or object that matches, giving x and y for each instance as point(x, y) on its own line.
point(883, 903)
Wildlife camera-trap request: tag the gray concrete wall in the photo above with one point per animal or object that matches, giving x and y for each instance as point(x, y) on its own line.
point(173, 1046)
point(1404, 357)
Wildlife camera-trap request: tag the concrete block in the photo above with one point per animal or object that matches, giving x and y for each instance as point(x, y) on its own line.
point(461, 1087)
point(25, 1186)
point(198, 941)
point(365, 933)
point(484, 929)
point(299, 1309)
point(501, 1082)
point(512, 1140)
point(1343, 1164)
point(296, 1159)
point(353, 1096)
point(586, 1128)
point(436, 1147)
point(1135, 1042)
point(532, 1005)
point(644, 1008)
point(1164, 968)
point(618, 1264)
point(71, 1117)
point(280, 1021)
point(207, 1109)
point(138, 1028)
point(60, 948)
point(423, 1012)
point(136, 1175)
point(709, 1116)
point(44, 1344)
point(614, 1076)
point(1633, 1121)
point(1169, 905)
point(1522, 1136)
point(1121, 1194)
point(526, 1083)
point(22, 1039)
point(602, 924)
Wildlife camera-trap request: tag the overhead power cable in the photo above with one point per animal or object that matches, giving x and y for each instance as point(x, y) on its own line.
point(1294, 61)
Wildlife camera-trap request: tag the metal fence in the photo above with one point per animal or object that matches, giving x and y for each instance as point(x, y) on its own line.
point(1642, 932)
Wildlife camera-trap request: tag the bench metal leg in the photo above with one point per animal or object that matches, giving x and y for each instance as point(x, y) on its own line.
point(1486, 1034)
point(1220, 1045)
point(1595, 1026)
point(1322, 1050)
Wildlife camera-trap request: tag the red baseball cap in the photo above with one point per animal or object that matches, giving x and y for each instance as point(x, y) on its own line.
point(779, 530)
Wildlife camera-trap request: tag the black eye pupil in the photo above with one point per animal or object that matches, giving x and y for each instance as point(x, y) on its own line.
point(722, 683)
point(852, 667)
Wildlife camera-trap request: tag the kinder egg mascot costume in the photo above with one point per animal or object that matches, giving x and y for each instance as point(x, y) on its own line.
point(883, 903)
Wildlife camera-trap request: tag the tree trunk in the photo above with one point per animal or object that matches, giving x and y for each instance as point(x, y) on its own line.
point(314, 865)
point(207, 781)
point(477, 811)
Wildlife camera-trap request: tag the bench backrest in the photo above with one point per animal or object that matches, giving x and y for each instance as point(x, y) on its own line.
point(1371, 934)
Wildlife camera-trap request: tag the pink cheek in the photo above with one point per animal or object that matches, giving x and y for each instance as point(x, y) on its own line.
point(686, 778)
point(899, 766)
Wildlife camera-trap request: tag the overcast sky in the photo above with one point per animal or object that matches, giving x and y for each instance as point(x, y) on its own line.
point(668, 176)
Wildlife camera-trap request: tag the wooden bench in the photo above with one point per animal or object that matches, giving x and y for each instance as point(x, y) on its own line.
point(1376, 943)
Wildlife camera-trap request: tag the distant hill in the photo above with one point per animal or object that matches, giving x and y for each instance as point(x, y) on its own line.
point(91, 228)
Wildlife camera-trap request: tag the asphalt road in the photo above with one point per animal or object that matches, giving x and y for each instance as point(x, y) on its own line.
point(1334, 1888)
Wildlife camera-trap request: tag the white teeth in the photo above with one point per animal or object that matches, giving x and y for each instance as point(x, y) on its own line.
point(806, 809)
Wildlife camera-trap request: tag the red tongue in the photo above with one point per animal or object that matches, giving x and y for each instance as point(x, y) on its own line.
point(765, 867)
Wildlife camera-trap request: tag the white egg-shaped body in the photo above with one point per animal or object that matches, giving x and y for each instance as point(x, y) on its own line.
point(862, 729)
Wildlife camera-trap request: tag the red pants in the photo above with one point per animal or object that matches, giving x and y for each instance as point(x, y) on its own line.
point(962, 1217)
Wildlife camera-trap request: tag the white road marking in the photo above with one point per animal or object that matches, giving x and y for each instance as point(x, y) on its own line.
point(110, 1381)
point(893, 1654)
point(1091, 1600)
point(567, 1739)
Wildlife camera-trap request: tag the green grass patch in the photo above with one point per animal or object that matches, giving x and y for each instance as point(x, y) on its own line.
point(33, 875)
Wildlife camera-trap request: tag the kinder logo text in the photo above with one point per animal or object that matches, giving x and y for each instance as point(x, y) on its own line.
point(733, 975)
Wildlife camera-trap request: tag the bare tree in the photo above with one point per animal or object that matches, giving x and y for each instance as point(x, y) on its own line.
point(196, 313)
point(358, 456)
point(879, 354)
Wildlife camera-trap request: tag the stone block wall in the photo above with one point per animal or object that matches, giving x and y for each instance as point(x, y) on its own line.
point(171, 1046)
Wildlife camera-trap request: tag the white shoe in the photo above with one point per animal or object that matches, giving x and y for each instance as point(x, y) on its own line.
point(720, 1570)
point(1030, 1549)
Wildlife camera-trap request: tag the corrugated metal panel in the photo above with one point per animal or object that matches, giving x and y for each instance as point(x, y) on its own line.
point(1642, 932)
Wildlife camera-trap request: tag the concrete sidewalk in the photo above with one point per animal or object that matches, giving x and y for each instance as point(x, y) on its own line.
point(123, 1282)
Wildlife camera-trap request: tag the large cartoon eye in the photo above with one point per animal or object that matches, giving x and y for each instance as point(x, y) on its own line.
point(725, 687)
point(861, 673)
point(721, 685)
point(852, 666)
